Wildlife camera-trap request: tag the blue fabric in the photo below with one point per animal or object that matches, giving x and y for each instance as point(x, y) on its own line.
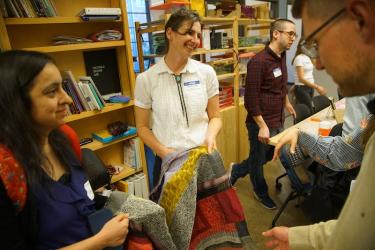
point(63, 210)
point(259, 155)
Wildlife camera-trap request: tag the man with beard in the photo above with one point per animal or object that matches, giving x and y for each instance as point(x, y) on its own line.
point(265, 100)
point(350, 60)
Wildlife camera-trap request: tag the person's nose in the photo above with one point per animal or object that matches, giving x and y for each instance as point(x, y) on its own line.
point(66, 99)
point(318, 64)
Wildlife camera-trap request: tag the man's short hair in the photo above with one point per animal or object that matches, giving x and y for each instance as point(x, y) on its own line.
point(317, 8)
point(278, 25)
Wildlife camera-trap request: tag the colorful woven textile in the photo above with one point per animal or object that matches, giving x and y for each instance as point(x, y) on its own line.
point(202, 209)
point(13, 178)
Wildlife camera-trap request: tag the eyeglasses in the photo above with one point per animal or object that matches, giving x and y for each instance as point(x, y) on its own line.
point(309, 46)
point(290, 34)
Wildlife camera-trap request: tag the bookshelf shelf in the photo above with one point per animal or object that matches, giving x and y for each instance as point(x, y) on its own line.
point(76, 47)
point(96, 145)
point(126, 172)
point(50, 20)
point(217, 20)
point(205, 51)
point(256, 47)
point(225, 76)
point(107, 108)
point(248, 21)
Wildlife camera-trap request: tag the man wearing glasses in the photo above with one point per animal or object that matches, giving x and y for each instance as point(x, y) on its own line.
point(342, 38)
point(265, 100)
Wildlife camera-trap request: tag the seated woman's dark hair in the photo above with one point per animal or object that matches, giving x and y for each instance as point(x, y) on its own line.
point(18, 133)
point(178, 18)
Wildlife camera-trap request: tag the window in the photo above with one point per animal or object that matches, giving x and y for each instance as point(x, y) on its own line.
point(138, 10)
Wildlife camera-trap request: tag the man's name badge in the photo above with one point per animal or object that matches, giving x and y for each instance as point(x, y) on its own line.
point(277, 72)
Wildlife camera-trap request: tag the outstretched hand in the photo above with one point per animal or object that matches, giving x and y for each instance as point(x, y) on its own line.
point(278, 238)
point(291, 137)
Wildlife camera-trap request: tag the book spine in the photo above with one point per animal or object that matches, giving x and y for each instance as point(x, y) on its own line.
point(3, 9)
point(86, 95)
point(101, 11)
point(95, 96)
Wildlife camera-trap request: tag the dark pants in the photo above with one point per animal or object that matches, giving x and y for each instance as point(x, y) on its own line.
point(156, 171)
point(259, 155)
point(304, 95)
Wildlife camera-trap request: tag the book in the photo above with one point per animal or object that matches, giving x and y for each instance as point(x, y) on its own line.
point(129, 155)
point(69, 76)
point(88, 91)
point(102, 67)
point(88, 79)
point(105, 137)
point(100, 18)
point(86, 96)
point(145, 191)
point(99, 11)
point(137, 186)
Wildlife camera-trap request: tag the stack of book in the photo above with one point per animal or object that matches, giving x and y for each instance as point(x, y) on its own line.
point(85, 95)
point(132, 153)
point(105, 137)
point(135, 185)
point(225, 96)
point(28, 8)
point(95, 14)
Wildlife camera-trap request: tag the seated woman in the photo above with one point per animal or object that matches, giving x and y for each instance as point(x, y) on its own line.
point(45, 197)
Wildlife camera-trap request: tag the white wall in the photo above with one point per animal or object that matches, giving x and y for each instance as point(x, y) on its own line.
point(321, 77)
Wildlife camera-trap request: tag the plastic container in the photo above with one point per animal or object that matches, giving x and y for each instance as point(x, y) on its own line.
point(324, 128)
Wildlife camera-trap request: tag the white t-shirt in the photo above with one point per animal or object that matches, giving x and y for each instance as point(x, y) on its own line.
point(156, 89)
point(308, 68)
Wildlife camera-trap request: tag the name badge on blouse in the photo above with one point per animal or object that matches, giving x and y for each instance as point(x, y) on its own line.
point(191, 83)
point(89, 191)
point(277, 72)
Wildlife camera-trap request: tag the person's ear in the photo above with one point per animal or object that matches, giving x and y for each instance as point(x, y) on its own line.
point(168, 33)
point(364, 14)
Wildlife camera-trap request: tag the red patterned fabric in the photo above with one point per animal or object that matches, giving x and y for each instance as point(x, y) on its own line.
point(13, 178)
point(138, 241)
point(216, 218)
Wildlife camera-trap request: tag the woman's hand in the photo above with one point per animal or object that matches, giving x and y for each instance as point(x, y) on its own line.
point(166, 151)
point(114, 232)
point(321, 90)
point(210, 143)
point(279, 238)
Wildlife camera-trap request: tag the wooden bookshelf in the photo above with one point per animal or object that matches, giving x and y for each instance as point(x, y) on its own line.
point(51, 20)
point(80, 46)
point(37, 34)
point(108, 108)
point(126, 172)
point(96, 145)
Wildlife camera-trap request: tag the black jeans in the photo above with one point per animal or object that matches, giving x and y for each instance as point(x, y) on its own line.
point(259, 155)
point(304, 95)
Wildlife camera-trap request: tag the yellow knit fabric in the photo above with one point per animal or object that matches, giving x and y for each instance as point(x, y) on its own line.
point(177, 184)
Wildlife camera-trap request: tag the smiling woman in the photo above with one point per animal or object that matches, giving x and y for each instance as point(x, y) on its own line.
point(182, 94)
point(44, 193)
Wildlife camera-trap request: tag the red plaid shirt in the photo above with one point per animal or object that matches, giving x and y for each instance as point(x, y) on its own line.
point(266, 88)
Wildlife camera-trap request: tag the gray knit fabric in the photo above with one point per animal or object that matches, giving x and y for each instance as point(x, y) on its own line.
point(144, 215)
point(182, 224)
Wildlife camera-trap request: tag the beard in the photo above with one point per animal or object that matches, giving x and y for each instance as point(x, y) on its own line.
point(356, 81)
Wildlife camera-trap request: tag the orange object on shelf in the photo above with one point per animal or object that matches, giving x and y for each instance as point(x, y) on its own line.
point(168, 5)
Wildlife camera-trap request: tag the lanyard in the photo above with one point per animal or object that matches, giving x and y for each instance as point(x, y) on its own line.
point(178, 79)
